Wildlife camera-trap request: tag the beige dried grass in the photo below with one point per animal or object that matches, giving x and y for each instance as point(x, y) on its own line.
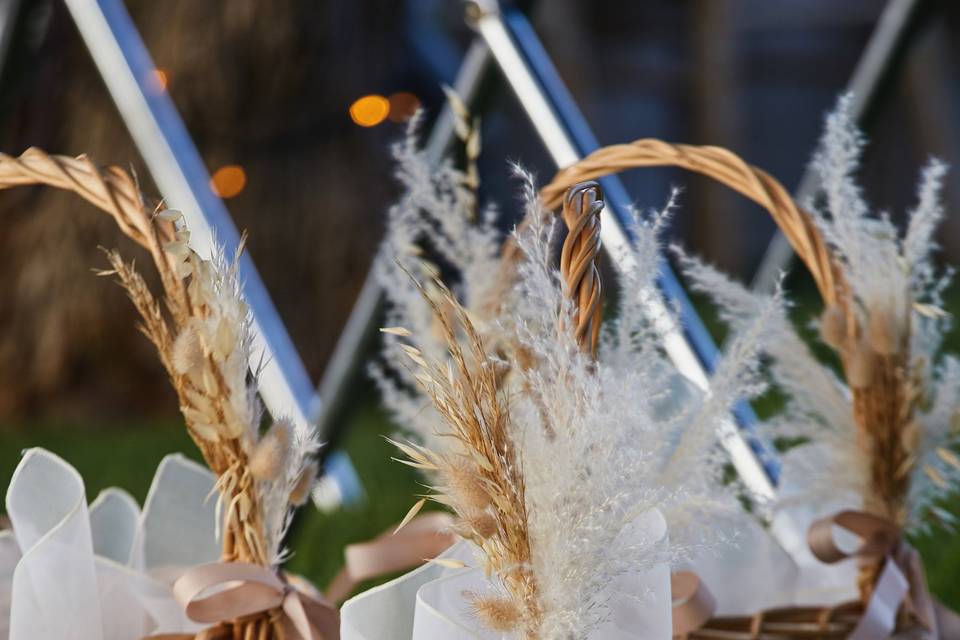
point(480, 477)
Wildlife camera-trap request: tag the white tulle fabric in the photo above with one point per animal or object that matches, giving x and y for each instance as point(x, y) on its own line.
point(773, 567)
point(428, 603)
point(69, 571)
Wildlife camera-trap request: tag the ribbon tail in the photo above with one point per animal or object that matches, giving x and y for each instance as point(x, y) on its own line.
point(948, 621)
point(693, 604)
point(880, 617)
point(310, 619)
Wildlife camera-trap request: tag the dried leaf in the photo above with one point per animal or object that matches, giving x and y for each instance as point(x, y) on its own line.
point(949, 457)
point(414, 510)
point(397, 331)
point(449, 563)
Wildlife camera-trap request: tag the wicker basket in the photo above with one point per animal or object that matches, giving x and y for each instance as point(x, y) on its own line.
point(807, 241)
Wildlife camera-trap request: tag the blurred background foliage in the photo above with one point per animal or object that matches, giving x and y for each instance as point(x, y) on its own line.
point(267, 88)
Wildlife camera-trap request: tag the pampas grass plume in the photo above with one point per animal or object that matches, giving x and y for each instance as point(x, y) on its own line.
point(269, 455)
point(187, 355)
point(497, 613)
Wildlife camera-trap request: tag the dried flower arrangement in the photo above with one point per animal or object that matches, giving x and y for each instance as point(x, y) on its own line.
point(547, 435)
point(201, 331)
point(887, 435)
point(438, 209)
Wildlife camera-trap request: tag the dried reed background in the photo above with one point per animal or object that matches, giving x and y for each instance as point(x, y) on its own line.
point(243, 76)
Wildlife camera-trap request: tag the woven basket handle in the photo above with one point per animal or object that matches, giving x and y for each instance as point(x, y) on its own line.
point(725, 167)
point(580, 260)
point(110, 189)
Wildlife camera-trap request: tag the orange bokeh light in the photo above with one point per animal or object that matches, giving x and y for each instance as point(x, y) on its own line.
point(403, 105)
point(228, 181)
point(159, 78)
point(369, 111)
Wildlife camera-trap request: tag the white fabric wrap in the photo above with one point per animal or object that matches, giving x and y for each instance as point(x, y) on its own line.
point(428, 603)
point(774, 572)
point(73, 572)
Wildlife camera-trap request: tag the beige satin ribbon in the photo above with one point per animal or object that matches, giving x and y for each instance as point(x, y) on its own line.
point(423, 538)
point(246, 589)
point(242, 589)
point(693, 604)
point(901, 582)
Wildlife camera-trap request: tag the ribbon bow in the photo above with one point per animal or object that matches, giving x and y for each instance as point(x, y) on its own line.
point(240, 589)
point(901, 581)
point(246, 589)
point(424, 537)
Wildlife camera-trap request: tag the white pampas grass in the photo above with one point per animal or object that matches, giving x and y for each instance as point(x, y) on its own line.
point(438, 211)
point(591, 444)
point(261, 478)
point(894, 307)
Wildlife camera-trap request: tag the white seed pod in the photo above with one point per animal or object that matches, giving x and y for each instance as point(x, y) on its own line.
point(177, 248)
point(225, 340)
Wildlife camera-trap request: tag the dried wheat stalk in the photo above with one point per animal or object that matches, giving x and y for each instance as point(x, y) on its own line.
point(481, 477)
point(201, 333)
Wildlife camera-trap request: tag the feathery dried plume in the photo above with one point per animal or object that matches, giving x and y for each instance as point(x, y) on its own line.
point(437, 214)
point(479, 472)
point(883, 435)
point(550, 487)
point(497, 613)
point(208, 364)
point(891, 350)
point(818, 408)
point(202, 334)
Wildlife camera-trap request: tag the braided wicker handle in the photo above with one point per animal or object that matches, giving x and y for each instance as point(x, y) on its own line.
point(111, 189)
point(725, 167)
point(580, 259)
point(882, 403)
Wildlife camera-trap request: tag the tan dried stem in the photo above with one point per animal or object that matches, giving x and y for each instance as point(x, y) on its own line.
point(481, 477)
point(580, 261)
point(883, 403)
point(204, 394)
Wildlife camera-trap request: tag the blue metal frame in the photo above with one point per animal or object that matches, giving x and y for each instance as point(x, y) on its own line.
point(618, 201)
point(178, 170)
